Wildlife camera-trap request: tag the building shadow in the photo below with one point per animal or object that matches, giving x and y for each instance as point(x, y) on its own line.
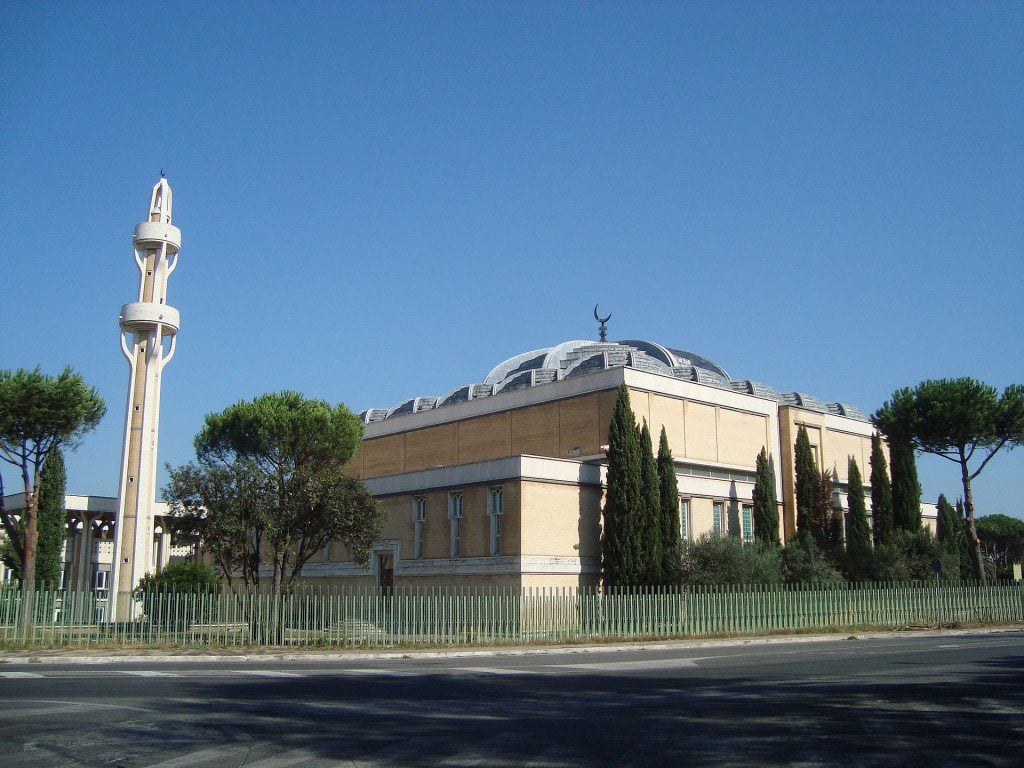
point(733, 511)
point(681, 717)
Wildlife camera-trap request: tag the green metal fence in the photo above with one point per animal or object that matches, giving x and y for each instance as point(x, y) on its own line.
point(370, 618)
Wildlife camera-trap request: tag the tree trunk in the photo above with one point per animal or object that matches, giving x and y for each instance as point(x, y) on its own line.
point(278, 569)
point(278, 602)
point(296, 570)
point(973, 543)
point(28, 563)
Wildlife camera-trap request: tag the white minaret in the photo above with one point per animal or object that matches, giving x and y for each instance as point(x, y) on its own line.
point(149, 321)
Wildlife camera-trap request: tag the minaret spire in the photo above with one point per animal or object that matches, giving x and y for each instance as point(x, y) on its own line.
point(148, 322)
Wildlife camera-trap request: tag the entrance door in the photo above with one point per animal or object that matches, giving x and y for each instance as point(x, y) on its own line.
point(386, 571)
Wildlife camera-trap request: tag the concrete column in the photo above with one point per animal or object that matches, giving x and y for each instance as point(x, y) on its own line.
point(84, 556)
point(159, 549)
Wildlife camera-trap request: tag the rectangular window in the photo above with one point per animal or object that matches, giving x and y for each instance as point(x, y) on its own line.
point(455, 504)
point(495, 534)
point(817, 457)
point(454, 518)
point(495, 500)
point(717, 510)
point(684, 519)
point(101, 581)
point(495, 509)
point(748, 523)
point(453, 534)
point(419, 514)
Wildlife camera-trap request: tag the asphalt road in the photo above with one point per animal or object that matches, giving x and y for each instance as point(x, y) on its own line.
point(901, 701)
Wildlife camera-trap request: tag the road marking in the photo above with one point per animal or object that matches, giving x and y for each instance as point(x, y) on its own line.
point(20, 675)
point(146, 673)
point(51, 705)
point(497, 670)
point(49, 710)
point(213, 755)
point(284, 759)
point(266, 673)
point(559, 754)
point(628, 666)
point(380, 672)
point(947, 646)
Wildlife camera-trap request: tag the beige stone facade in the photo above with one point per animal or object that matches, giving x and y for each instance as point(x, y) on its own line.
point(437, 463)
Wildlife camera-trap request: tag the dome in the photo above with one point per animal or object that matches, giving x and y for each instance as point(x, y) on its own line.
point(578, 357)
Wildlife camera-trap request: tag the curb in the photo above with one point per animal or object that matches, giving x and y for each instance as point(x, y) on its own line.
point(115, 657)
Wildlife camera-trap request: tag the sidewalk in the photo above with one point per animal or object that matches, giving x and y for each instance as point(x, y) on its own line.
point(193, 655)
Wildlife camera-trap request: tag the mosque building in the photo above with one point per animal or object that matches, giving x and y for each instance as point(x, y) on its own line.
point(497, 483)
point(501, 482)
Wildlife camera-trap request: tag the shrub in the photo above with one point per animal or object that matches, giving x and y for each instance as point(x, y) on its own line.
point(727, 560)
point(180, 578)
point(188, 576)
point(910, 555)
point(804, 562)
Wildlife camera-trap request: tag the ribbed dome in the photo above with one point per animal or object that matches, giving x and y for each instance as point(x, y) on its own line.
point(580, 358)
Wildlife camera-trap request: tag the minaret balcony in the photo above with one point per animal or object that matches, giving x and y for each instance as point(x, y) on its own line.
point(153, 234)
point(145, 316)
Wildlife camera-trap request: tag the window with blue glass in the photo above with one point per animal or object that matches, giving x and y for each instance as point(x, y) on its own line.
point(684, 519)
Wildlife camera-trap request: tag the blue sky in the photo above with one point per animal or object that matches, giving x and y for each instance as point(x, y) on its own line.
point(384, 200)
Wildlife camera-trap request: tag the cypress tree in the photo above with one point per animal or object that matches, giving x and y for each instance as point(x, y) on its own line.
point(621, 564)
point(966, 559)
point(858, 538)
point(649, 517)
point(906, 489)
point(950, 529)
point(51, 525)
point(952, 536)
point(881, 494)
point(806, 481)
point(51, 522)
point(668, 486)
point(766, 513)
point(826, 523)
